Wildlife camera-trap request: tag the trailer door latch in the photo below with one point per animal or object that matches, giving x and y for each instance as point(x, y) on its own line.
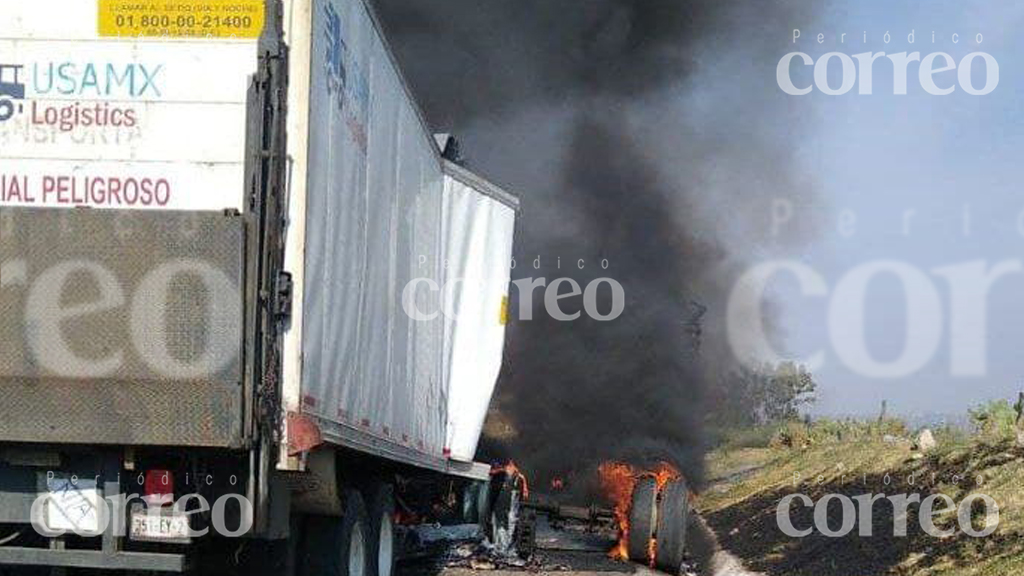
point(283, 297)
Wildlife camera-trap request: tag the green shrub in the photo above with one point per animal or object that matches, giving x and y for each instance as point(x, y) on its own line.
point(745, 437)
point(827, 431)
point(792, 435)
point(997, 419)
point(949, 434)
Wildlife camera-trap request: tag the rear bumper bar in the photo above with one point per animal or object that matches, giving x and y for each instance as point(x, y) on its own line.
point(95, 559)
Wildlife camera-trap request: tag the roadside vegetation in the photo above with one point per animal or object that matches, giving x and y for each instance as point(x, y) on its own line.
point(753, 468)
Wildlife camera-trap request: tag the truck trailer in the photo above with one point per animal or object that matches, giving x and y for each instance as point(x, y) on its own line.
point(250, 306)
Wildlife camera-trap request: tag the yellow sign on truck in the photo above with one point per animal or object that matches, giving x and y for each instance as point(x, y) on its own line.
point(182, 19)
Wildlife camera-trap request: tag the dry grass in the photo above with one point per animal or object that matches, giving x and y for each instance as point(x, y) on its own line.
point(747, 485)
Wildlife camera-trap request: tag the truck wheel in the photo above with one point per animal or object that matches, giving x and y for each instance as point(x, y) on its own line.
point(338, 546)
point(504, 514)
point(643, 516)
point(382, 531)
point(672, 517)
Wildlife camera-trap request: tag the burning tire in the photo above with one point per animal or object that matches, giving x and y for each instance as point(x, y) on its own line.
point(505, 513)
point(673, 512)
point(643, 518)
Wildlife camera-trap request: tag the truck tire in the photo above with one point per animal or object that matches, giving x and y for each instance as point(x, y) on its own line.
point(673, 512)
point(505, 511)
point(382, 530)
point(338, 546)
point(643, 517)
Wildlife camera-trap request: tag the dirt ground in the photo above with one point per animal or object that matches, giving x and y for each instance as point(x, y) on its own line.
point(708, 560)
point(544, 562)
point(625, 570)
point(471, 572)
point(747, 485)
point(727, 566)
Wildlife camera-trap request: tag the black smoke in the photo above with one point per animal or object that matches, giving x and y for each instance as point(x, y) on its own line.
point(477, 57)
point(582, 107)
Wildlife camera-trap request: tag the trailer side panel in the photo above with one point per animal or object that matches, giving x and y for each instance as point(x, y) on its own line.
point(479, 221)
point(372, 225)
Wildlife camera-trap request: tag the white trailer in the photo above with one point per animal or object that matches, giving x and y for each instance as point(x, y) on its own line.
point(231, 250)
point(385, 380)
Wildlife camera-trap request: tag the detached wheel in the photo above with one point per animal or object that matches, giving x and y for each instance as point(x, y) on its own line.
point(505, 514)
point(382, 531)
point(673, 513)
point(338, 546)
point(643, 517)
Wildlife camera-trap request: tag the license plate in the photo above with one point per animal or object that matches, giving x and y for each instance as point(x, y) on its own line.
point(162, 526)
point(73, 505)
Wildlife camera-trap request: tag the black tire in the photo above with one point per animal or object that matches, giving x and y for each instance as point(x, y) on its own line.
point(673, 513)
point(6, 110)
point(331, 546)
point(505, 509)
point(643, 517)
point(262, 558)
point(383, 550)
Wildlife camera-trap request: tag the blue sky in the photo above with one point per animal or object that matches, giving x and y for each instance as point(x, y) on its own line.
point(730, 132)
point(878, 156)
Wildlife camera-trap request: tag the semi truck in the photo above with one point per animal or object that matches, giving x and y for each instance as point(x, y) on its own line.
point(252, 310)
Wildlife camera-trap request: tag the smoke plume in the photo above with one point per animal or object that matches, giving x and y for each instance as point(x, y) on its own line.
point(643, 134)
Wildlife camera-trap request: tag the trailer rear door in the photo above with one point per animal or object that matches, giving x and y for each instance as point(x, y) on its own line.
point(122, 233)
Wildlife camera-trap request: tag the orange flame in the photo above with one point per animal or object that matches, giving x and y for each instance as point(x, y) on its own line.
point(618, 480)
point(664, 473)
point(510, 469)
